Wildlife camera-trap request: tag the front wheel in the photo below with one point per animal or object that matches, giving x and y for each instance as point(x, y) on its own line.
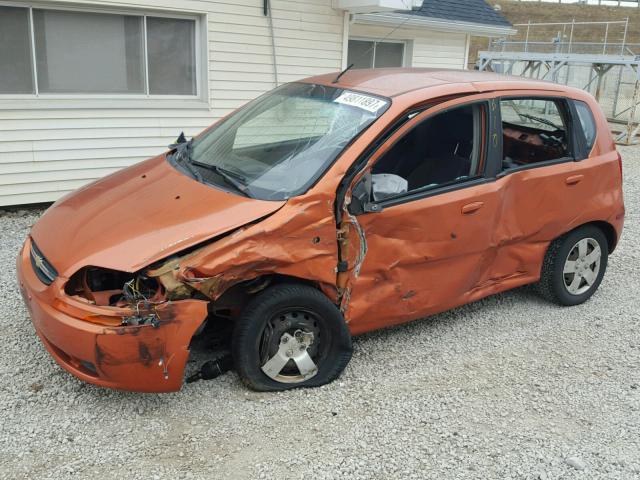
point(574, 266)
point(290, 336)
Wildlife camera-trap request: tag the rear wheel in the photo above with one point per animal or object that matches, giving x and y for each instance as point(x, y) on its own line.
point(290, 336)
point(574, 266)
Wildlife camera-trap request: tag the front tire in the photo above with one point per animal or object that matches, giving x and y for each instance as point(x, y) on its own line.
point(290, 336)
point(574, 266)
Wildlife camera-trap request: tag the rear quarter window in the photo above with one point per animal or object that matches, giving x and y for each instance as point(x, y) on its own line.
point(587, 122)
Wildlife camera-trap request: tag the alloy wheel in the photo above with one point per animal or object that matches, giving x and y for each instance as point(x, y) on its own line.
point(582, 266)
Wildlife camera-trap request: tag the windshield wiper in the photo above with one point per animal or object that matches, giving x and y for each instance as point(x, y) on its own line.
point(544, 121)
point(182, 157)
point(236, 180)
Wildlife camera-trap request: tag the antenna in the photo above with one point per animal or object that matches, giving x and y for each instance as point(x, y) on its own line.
point(342, 73)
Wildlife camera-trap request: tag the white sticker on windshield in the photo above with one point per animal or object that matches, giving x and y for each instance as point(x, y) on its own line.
point(370, 104)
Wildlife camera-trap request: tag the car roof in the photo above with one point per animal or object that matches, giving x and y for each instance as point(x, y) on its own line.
point(392, 82)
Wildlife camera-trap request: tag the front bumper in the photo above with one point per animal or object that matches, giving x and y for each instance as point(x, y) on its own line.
point(137, 358)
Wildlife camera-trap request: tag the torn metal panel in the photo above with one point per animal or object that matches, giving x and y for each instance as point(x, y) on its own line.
point(138, 216)
point(418, 246)
point(353, 250)
point(300, 242)
point(147, 357)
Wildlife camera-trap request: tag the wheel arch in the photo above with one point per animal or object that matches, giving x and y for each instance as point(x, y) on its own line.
point(609, 232)
point(228, 306)
point(238, 294)
point(605, 227)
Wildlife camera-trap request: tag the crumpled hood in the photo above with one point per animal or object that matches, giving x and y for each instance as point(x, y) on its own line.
point(137, 216)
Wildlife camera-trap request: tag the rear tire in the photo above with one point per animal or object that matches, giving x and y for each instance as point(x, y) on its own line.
point(290, 336)
point(573, 266)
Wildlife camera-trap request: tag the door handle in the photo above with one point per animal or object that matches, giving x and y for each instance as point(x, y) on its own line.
point(471, 207)
point(573, 179)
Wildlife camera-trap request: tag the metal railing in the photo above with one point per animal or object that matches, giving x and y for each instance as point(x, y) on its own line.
point(592, 48)
point(609, 69)
point(565, 40)
point(608, 3)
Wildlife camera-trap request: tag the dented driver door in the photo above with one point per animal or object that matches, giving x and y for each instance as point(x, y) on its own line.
point(430, 248)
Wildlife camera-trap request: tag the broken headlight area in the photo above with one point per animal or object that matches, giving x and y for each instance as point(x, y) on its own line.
point(132, 292)
point(104, 287)
point(133, 299)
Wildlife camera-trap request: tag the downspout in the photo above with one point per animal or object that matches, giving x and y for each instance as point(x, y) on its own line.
point(467, 47)
point(346, 26)
point(267, 13)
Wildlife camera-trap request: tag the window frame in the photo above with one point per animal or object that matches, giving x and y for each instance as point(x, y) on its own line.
point(201, 54)
point(425, 114)
point(574, 146)
point(376, 41)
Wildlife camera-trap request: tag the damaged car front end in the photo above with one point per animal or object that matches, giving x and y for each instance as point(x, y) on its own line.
point(122, 274)
point(121, 338)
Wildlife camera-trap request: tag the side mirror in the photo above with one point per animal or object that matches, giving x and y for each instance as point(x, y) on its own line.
point(387, 185)
point(181, 139)
point(361, 197)
point(372, 189)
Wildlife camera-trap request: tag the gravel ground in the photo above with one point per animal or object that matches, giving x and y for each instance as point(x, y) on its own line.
point(506, 388)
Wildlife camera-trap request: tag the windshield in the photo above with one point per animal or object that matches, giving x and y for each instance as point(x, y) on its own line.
point(281, 143)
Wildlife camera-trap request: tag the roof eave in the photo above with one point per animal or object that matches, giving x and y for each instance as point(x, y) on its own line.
point(408, 20)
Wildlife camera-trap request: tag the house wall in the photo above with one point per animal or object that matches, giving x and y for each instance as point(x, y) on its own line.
point(52, 145)
point(425, 48)
point(49, 146)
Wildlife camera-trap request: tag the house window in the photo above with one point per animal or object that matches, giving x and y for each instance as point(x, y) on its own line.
point(371, 54)
point(15, 65)
point(46, 51)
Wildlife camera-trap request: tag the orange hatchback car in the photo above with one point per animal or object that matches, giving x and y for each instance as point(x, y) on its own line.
point(324, 209)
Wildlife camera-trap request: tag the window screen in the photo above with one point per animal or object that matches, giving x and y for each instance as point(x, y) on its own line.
point(75, 52)
point(370, 54)
point(389, 54)
point(78, 52)
point(360, 54)
point(172, 56)
point(16, 74)
point(587, 122)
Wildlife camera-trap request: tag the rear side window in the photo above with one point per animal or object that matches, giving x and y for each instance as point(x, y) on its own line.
point(534, 130)
point(587, 123)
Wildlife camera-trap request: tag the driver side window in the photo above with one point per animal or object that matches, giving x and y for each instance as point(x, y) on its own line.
point(441, 150)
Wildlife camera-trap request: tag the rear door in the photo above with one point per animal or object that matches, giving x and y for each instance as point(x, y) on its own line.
point(545, 181)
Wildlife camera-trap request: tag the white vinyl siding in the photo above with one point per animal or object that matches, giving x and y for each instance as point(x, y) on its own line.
point(425, 48)
point(52, 144)
point(49, 146)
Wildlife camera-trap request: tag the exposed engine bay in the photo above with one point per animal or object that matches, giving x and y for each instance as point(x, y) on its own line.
point(143, 291)
point(111, 288)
